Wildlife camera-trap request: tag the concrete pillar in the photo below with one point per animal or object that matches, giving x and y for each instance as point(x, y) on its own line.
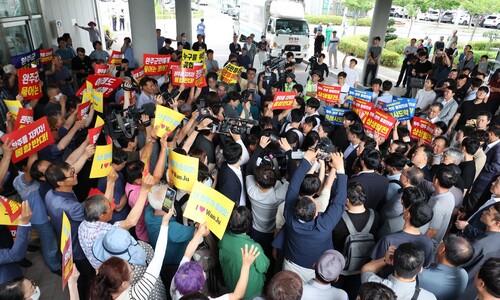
point(379, 26)
point(183, 20)
point(143, 28)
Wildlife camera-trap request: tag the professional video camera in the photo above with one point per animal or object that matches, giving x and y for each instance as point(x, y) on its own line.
point(244, 98)
point(275, 63)
point(124, 123)
point(234, 125)
point(313, 60)
point(170, 96)
point(325, 147)
point(273, 137)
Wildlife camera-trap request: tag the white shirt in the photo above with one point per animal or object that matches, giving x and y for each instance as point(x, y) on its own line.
point(344, 89)
point(488, 148)
point(237, 171)
point(350, 149)
point(492, 200)
point(352, 76)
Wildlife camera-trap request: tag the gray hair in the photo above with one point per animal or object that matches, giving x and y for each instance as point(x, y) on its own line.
point(157, 195)
point(94, 207)
point(455, 154)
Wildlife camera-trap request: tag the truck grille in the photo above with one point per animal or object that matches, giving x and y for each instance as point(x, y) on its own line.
point(292, 48)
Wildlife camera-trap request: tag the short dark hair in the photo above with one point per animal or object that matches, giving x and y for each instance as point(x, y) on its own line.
point(494, 129)
point(265, 176)
point(386, 85)
point(240, 221)
point(119, 156)
point(370, 143)
point(133, 171)
point(13, 289)
point(408, 260)
point(411, 195)
point(401, 148)
point(313, 102)
point(476, 82)
point(489, 273)
point(310, 185)
point(357, 130)
point(432, 80)
point(342, 74)
point(232, 152)
point(210, 51)
point(285, 285)
point(352, 116)
point(95, 43)
point(375, 291)
point(420, 214)
point(328, 127)
point(299, 87)
point(484, 89)
point(471, 145)
point(296, 115)
point(377, 38)
point(144, 81)
point(355, 193)
point(371, 158)
point(304, 209)
point(458, 250)
point(441, 125)
point(377, 81)
point(446, 177)
point(311, 120)
point(395, 160)
point(54, 173)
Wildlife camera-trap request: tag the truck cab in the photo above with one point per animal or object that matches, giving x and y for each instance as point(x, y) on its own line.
point(288, 35)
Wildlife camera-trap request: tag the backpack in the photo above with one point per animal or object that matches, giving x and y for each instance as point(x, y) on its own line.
point(358, 244)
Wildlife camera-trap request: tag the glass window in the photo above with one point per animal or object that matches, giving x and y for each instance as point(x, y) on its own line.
point(17, 37)
point(12, 8)
point(37, 31)
point(34, 8)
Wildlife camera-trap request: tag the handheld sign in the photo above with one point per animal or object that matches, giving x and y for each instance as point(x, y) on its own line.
point(155, 64)
point(46, 56)
point(13, 106)
point(422, 129)
point(29, 84)
point(191, 57)
point(10, 211)
point(335, 115)
point(166, 119)
point(230, 73)
point(328, 93)
point(360, 94)
point(380, 122)
point(283, 100)
point(398, 109)
point(24, 117)
point(184, 170)
point(66, 250)
point(101, 164)
point(183, 76)
point(115, 58)
point(362, 108)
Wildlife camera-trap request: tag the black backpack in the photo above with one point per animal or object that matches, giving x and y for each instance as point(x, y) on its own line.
point(358, 244)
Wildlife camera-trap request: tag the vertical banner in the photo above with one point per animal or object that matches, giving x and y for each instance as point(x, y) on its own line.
point(362, 108)
point(115, 58)
point(422, 129)
point(155, 64)
point(29, 83)
point(230, 73)
point(380, 122)
point(360, 94)
point(192, 57)
point(13, 106)
point(207, 204)
point(66, 250)
point(328, 93)
point(10, 211)
point(166, 119)
point(25, 60)
point(24, 117)
point(335, 115)
point(46, 56)
point(283, 100)
point(137, 74)
point(183, 76)
point(184, 170)
point(101, 164)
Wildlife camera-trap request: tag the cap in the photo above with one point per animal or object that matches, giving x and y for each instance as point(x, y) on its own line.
point(330, 264)
point(92, 22)
point(319, 73)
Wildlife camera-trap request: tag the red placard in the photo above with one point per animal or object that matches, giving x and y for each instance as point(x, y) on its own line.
point(200, 77)
point(46, 56)
point(24, 117)
point(183, 75)
point(104, 84)
point(380, 122)
point(362, 108)
point(29, 83)
point(422, 129)
point(137, 74)
point(30, 139)
point(328, 93)
point(83, 109)
point(173, 64)
point(115, 58)
point(100, 69)
point(283, 100)
point(94, 134)
point(155, 64)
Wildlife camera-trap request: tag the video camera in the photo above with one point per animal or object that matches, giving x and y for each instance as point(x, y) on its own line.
point(275, 63)
point(244, 98)
point(313, 60)
point(125, 123)
point(325, 147)
point(273, 137)
point(235, 125)
point(170, 96)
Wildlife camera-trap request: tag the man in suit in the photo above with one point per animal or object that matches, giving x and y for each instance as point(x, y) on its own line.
point(421, 158)
point(354, 134)
point(230, 180)
point(450, 105)
point(266, 81)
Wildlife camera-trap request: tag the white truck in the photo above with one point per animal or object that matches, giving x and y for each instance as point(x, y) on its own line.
point(281, 21)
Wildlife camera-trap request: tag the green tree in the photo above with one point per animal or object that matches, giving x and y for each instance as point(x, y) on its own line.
point(479, 7)
point(444, 5)
point(413, 7)
point(358, 7)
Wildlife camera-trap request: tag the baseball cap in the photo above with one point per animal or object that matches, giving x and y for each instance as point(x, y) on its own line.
point(330, 264)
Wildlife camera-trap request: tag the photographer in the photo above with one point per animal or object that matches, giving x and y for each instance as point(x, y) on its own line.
point(321, 67)
point(266, 81)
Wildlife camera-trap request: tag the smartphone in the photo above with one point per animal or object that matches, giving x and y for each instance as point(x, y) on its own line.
point(168, 202)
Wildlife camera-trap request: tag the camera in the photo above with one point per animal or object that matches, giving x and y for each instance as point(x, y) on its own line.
point(325, 147)
point(244, 98)
point(274, 138)
point(170, 96)
point(235, 125)
point(313, 60)
point(203, 111)
point(125, 123)
point(275, 63)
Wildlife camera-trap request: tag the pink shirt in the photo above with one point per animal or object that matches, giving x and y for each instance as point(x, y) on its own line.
point(132, 192)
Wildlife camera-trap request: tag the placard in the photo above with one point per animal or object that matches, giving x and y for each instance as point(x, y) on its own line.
point(328, 93)
point(360, 94)
point(183, 76)
point(98, 122)
point(26, 59)
point(207, 204)
point(94, 134)
point(200, 77)
point(101, 164)
point(46, 56)
point(13, 106)
point(101, 69)
point(24, 117)
point(422, 129)
point(166, 119)
point(115, 58)
point(137, 74)
point(10, 211)
point(191, 57)
point(335, 115)
point(105, 84)
point(362, 108)
point(283, 100)
point(412, 104)
point(398, 109)
point(155, 64)
point(29, 83)
point(66, 250)
point(83, 109)
point(380, 122)
point(184, 170)
point(30, 139)
point(229, 73)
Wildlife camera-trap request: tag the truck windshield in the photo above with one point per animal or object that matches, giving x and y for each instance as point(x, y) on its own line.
point(284, 26)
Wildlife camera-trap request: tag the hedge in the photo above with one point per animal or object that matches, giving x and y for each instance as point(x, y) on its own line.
point(480, 45)
point(336, 20)
point(354, 44)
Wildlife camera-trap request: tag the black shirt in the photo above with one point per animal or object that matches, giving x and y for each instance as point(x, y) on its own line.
point(340, 233)
point(469, 110)
point(78, 64)
point(468, 169)
point(423, 67)
point(323, 68)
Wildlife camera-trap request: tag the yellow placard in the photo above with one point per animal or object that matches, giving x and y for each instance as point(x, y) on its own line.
point(13, 106)
point(166, 119)
point(95, 97)
point(101, 165)
point(191, 57)
point(230, 73)
point(66, 250)
point(10, 211)
point(207, 204)
point(184, 170)
point(99, 122)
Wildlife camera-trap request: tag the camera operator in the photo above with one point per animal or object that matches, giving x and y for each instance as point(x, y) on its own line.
point(321, 67)
point(266, 80)
point(123, 69)
point(290, 63)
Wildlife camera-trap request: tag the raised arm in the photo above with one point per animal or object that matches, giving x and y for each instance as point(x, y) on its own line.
point(248, 257)
point(136, 211)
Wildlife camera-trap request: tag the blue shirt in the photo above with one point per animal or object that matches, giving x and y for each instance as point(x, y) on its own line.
point(118, 193)
point(452, 281)
point(29, 191)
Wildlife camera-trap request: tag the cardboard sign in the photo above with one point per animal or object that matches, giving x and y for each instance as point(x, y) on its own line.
point(172, 65)
point(200, 77)
point(105, 84)
point(362, 108)
point(30, 139)
point(137, 74)
point(94, 134)
point(29, 83)
point(25, 60)
point(191, 57)
point(10, 211)
point(412, 104)
point(335, 115)
point(230, 73)
point(283, 100)
point(24, 117)
point(83, 109)
point(184, 170)
point(166, 119)
point(183, 76)
point(13, 106)
point(101, 70)
point(46, 56)
point(422, 129)
point(360, 94)
point(66, 250)
point(98, 122)
point(98, 101)
point(380, 122)
point(115, 58)
point(155, 64)
point(207, 204)
point(398, 109)
point(101, 164)
point(328, 93)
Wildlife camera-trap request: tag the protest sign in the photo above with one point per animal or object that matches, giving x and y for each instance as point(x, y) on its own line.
point(98, 121)
point(200, 77)
point(94, 134)
point(10, 211)
point(83, 109)
point(398, 109)
point(183, 76)
point(191, 57)
point(24, 117)
point(46, 56)
point(412, 104)
point(155, 64)
point(98, 101)
point(25, 60)
point(230, 73)
point(380, 122)
point(328, 93)
point(13, 106)
point(283, 100)
point(101, 69)
point(29, 83)
point(184, 170)
point(105, 84)
point(335, 115)
point(360, 94)
point(101, 164)
point(207, 204)
point(137, 74)
point(30, 139)
point(115, 58)
point(362, 108)
point(66, 250)
point(172, 65)
point(422, 129)
point(166, 119)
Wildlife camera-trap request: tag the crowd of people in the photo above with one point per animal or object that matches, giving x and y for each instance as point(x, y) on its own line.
point(321, 211)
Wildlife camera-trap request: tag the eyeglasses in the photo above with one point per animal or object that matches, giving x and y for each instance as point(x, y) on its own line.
point(32, 288)
point(72, 174)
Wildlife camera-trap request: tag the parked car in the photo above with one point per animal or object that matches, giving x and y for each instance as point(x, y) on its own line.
point(492, 21)
point(431, 15)
point(447, 17)
point(225, 8)
point(234, 11)
point(477, 20)
point(398, 12)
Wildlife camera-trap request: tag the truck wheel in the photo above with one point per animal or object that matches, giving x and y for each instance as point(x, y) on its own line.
point(299, 60)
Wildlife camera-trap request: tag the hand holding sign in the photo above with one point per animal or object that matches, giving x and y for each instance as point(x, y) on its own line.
point(26, 213)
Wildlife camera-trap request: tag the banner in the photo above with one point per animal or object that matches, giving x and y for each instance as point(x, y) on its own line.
point(200, 77)
point(30, 139)
point(66, 250)
point(184, 170)
point(105, 84)
point(137, 74)
point(183, 75)
point(362, 108)
point(24, 117)
point(328, 93)
point(207, 204)
point(283, 100)
point(155, 64)
point(422, 129)
point(115, 58)
point(101, 69)
point(26, 59)
point(94, 134)
point(46, 56)
point(335, 115)
point(380, 122)
point(360, 94)
point(10, 211)
point(191, 57)
point(412, 104)
point(29, 83)
point(230, 73)
point(101, 164)
point(13, 106)
point(166, 119)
